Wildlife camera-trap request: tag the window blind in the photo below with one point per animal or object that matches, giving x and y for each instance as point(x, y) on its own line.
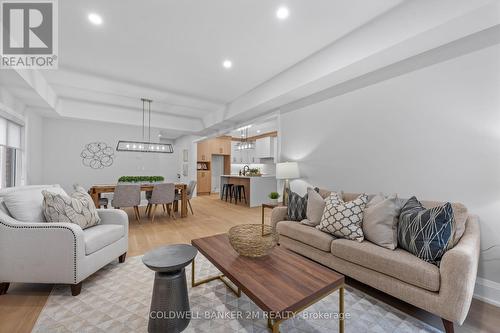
point(10, 134)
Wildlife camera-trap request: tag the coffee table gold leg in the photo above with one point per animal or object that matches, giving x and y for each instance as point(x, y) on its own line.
point(276, 326)
point(194, 283)
point(341, 310)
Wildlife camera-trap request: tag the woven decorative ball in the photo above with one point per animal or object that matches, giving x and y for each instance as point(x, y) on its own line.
point(253, 240)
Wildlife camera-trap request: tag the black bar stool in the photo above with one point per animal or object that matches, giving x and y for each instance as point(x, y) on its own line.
point(227, 189)
point(237, 193)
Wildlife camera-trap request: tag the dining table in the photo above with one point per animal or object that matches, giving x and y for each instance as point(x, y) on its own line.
point(95, 192)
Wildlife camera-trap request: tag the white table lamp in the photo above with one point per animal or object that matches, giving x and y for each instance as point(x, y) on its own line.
point(287, 171)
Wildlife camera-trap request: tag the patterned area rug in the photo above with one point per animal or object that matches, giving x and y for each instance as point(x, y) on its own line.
point(117, 299)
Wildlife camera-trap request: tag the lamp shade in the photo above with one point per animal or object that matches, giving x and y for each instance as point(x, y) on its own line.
point(287, 170)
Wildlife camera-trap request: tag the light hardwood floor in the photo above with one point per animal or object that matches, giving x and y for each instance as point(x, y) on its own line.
point(20, 308)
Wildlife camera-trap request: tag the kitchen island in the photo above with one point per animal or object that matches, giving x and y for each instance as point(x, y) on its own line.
point(257, 188)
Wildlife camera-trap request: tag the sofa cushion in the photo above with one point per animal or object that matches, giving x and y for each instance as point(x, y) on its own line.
point(25, 203)
point(427, 233)
point(324, 193)
point(297, 206)
point(343, 219)
point(460, 215)
point(380, 220)
point(315, 206)
point(305, 234)
point(78, 208)
point(100, 236)
point(398, 263)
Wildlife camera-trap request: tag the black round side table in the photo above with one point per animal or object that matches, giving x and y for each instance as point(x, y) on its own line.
point(170, 303)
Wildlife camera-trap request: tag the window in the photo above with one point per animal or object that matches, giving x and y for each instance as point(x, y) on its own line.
point(10, 153)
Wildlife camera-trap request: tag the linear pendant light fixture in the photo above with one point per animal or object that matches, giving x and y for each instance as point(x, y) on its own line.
point(244, 144)
point(145, 146)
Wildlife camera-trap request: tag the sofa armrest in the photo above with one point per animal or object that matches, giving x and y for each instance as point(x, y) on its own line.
point(40, 252)
point(458, 271)
point(113, 216)
point(278, 214)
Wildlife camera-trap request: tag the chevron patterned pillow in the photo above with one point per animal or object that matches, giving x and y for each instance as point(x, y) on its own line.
point(427, 233)
point(297, 206)
point(343, 219)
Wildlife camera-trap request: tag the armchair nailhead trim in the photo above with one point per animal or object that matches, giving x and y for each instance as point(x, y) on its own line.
point(50, 227)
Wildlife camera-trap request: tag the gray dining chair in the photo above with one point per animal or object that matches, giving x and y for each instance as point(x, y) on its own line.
point(128, 195)
point(163, 194)
point(190, 191)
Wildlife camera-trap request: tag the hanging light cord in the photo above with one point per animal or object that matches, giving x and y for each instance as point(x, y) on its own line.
point(143, 100)
point(149, 131)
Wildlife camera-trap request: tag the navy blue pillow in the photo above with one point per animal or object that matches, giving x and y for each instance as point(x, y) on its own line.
point(427, 233)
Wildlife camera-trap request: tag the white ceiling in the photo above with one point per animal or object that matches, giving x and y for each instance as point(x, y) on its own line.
point(179, 45)
point(258, 127)
point(172, 51)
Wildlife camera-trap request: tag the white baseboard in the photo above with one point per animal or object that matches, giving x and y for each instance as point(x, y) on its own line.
point(487, 291)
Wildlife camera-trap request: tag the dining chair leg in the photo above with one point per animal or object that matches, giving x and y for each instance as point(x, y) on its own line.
point(148, 208)
point(171, 211)
point(190, 207)
point(154, 212)
point(137, 214)
point(164, 209)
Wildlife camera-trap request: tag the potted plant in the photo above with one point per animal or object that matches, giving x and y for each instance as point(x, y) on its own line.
point(141, 179)
point(274, 197)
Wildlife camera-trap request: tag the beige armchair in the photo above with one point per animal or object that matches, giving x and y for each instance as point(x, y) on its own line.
point(41, 252)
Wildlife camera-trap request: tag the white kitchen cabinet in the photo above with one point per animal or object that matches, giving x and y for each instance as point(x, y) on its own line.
point(265, 147)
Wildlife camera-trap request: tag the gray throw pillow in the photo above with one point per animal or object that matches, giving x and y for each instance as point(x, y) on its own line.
point(380, 220)
point(315, 206)
point(78, 208)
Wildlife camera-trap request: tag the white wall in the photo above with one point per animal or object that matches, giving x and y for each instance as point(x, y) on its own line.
point(433, 133)
point(33, 136)
point(64, 140)
point(186, 142)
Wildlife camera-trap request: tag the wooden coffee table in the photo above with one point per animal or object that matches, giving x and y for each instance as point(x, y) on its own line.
point(281, 284)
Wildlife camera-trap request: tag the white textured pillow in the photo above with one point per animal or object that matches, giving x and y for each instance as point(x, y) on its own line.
point(343, 219)
point(78, 209)
point(25, 204)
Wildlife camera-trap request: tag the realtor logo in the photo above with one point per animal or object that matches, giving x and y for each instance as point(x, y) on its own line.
point(29, 34)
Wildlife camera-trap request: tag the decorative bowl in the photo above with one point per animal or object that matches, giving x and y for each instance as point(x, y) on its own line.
point(253, 240)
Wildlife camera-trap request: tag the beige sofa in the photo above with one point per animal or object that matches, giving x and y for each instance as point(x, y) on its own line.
point(445, 291)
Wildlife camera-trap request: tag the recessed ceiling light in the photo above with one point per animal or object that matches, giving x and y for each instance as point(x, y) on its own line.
point(258, 131)
point(95, 19)
point(227, 63)
point(282, 13)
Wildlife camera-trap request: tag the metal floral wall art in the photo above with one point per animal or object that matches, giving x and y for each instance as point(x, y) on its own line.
point(97, 155)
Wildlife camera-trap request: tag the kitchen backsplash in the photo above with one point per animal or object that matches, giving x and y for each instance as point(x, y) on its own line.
point(266, 169)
